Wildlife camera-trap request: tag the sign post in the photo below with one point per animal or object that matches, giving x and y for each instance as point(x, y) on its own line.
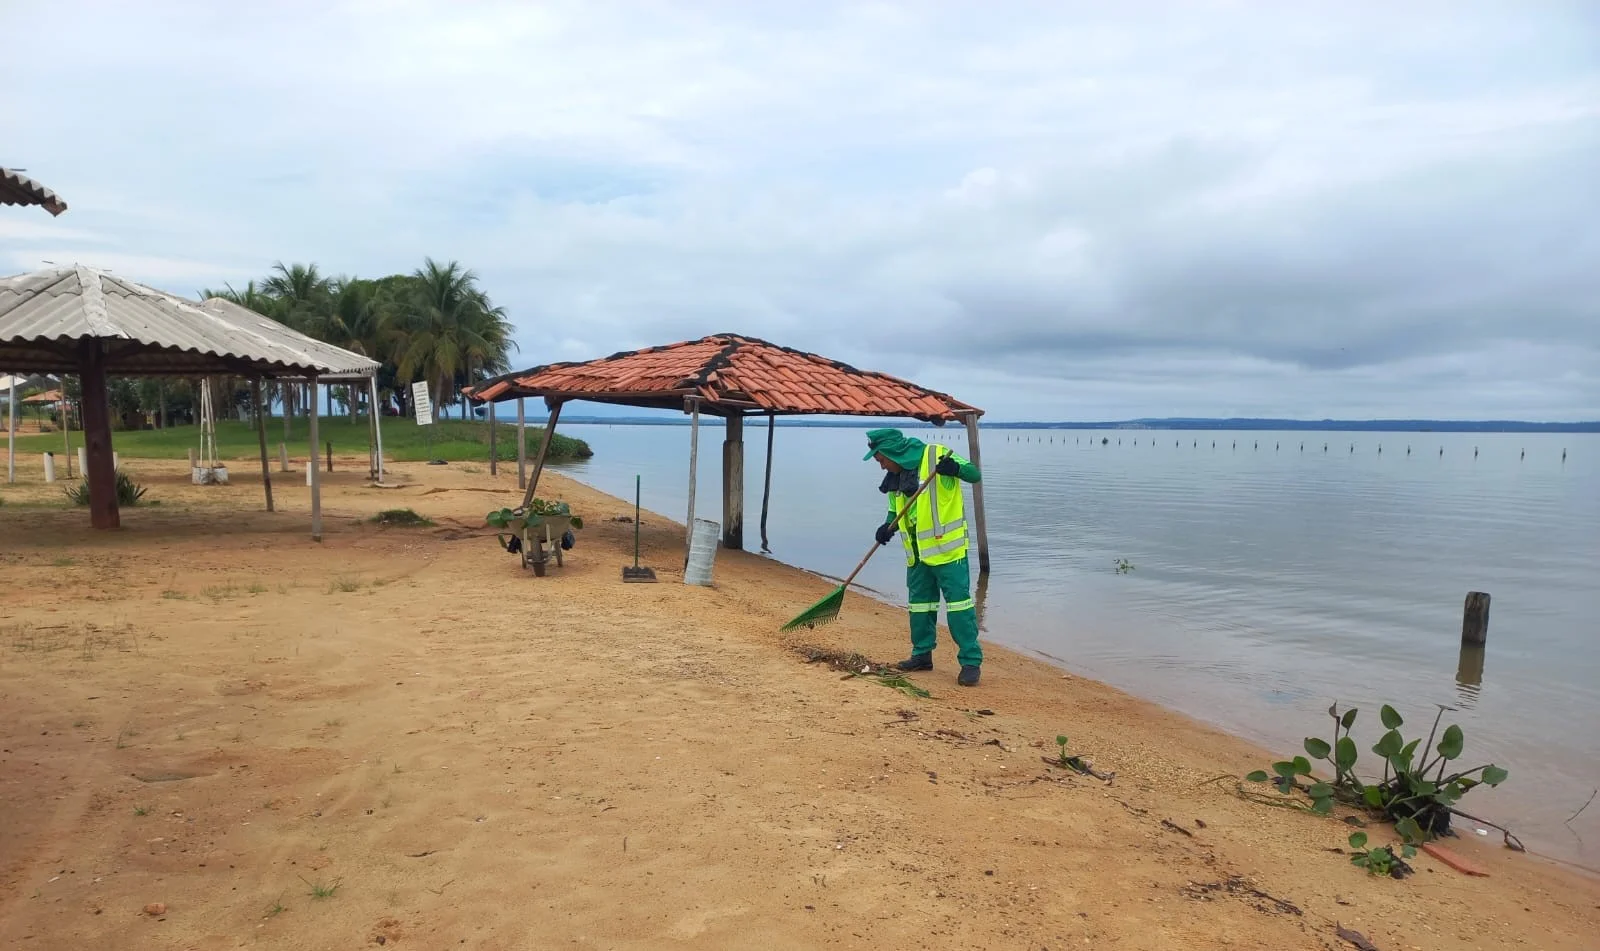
point(424, 408)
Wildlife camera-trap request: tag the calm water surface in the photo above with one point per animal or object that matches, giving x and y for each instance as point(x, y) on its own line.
point(1268, 580)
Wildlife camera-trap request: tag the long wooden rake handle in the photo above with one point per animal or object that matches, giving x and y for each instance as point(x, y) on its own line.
point(875, 546)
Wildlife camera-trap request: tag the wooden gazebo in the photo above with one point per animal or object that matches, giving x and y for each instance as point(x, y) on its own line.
point(84, 321)
point(734, 377)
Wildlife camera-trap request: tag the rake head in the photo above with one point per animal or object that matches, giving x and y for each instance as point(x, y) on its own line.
point(822, 612)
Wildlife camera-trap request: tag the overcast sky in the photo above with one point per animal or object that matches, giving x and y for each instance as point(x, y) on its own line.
point(1052, 210)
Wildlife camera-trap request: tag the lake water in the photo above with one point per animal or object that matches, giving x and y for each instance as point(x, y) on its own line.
point(1268, 580)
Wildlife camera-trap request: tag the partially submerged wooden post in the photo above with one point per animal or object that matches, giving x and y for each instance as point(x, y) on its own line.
point(1475, 620)
point(522, 445)
point(311, 470)
point(261, 434)
point(733, 482)
point(96, 409)
point(971, 420)
point(766, 486)
point(692, 404)
point(544, 451)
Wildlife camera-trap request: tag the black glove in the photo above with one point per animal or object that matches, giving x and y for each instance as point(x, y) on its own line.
point(891, 482)
point(885, 532)
point(948, 466)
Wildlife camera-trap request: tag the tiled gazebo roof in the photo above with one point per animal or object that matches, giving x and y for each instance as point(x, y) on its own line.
point(731, 374)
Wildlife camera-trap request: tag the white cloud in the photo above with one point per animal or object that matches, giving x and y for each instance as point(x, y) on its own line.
point(1136, 209)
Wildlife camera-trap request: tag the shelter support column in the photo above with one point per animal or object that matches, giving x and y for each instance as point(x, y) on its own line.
point(522, 445)
point(693, 406)
point(494, 448)
point(733, 484)
point(102, 474)
point(971, 419)
point(261, 434)
point(377, 426)
point(315, 469)
point(766, 485)
point(11, 433)
point(544, 453)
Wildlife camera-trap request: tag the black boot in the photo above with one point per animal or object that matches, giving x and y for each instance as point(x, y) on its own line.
point(916, 662)
point(968, 676)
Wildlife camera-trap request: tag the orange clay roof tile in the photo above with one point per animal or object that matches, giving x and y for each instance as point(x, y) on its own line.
point(776, 379)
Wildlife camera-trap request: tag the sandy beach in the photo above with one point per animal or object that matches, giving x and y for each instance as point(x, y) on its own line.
point(399, 738)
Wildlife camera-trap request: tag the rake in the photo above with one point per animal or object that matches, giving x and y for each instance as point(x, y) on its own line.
point(636, 574)
point(827, 610)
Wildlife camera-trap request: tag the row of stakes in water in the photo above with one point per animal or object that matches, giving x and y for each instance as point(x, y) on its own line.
point(1256, 445)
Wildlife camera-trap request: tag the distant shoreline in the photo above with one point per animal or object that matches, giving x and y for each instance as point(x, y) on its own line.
point(1213, 425)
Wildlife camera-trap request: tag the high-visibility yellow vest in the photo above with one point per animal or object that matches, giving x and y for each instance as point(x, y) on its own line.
point(936, 530)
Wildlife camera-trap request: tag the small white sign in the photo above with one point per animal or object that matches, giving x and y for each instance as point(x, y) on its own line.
point(424, 405)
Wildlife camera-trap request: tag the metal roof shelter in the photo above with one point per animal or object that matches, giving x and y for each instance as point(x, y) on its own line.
point(85, 321)
point(734, 376)
point(18, 189)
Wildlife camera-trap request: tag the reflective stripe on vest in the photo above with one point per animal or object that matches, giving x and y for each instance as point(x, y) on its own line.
point(940, 533)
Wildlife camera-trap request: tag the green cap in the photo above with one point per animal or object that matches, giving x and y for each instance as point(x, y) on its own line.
point(895, 445)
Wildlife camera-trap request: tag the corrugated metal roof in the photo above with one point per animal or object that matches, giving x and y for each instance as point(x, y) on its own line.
point(731, 373)
point(149, 332)
point(18, 189)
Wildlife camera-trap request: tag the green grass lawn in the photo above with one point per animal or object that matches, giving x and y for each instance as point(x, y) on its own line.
point(403, 440)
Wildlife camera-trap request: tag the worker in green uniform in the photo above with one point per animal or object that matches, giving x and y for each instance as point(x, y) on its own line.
point(935, 539)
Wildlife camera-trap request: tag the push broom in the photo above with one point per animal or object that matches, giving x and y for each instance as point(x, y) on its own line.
point(828, 608)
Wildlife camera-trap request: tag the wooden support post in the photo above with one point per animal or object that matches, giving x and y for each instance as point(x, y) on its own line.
point(10, 434)
point(977, 494)
point(283, 457)
point(377, 427)
point(694, 463)
point(733, 483)
point(522, 444)
point(544, 452)
point(101, 471)
point(1475, 620)
point(494, 447)
point(766, 485)
point(330, 457)
point(311, 470)
point(261, 434)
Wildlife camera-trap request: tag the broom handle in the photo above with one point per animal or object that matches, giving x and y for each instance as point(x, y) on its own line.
point(875, 546)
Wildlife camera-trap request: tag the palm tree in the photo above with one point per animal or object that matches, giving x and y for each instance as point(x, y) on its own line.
point(450, 329)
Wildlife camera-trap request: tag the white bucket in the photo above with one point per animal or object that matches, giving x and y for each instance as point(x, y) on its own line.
point(702, 552)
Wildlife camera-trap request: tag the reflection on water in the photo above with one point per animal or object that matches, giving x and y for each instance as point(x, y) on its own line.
point(1268, 581)
point(1469, 674)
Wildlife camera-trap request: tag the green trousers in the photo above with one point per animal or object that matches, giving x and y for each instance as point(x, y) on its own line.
point(924, 585)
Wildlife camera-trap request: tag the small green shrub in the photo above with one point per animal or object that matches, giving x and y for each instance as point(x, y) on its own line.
point(402, 518)
point(1381, 860)
point(1418, 794)
point(129, 492)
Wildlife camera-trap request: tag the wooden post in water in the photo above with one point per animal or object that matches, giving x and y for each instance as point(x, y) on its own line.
point(766, 486)
point(1475, 620)
point(971, 420)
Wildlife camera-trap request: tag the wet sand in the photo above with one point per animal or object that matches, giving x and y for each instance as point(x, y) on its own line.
point(210, 711)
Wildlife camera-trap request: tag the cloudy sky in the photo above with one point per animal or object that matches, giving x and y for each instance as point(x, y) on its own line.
point(1054, 210)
